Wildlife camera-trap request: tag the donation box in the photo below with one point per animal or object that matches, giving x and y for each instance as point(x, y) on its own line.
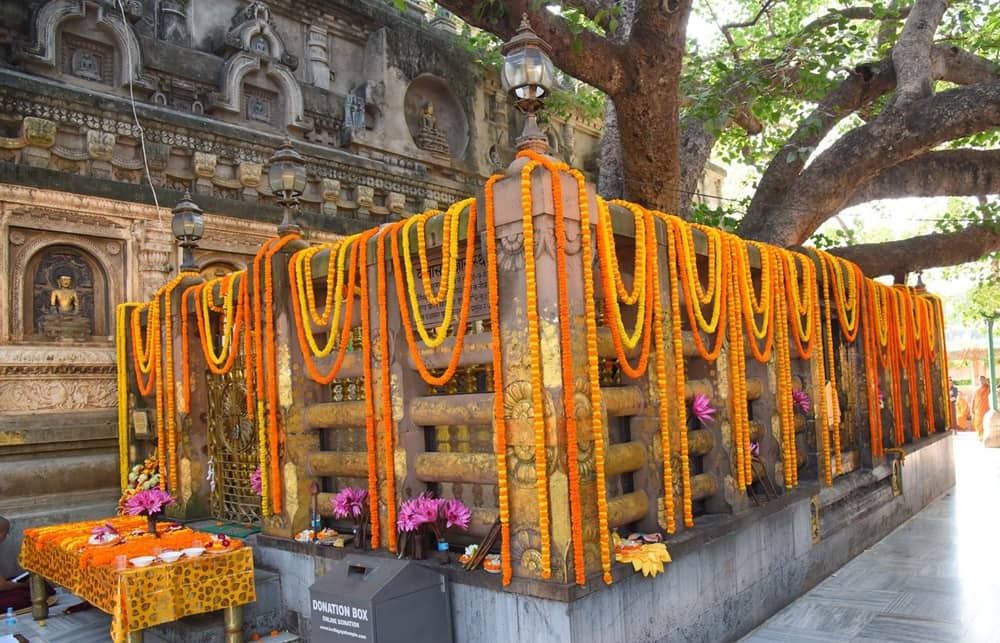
point(380, 600)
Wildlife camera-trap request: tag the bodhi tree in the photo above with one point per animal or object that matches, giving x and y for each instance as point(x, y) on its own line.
point(833, 104)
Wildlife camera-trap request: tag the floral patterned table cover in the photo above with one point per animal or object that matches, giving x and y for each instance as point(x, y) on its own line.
point(135, 597)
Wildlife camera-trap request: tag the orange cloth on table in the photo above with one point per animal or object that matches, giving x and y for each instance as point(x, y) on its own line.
point(962, 412)
point(138, 598)
point(980, 405)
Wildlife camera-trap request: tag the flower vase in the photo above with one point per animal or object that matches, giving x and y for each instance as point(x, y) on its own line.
point(418, 545)
point(361, 536)
point(151, 525)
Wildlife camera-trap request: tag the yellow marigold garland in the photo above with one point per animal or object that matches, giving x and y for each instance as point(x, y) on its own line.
point(121, 362)
point(695, 296)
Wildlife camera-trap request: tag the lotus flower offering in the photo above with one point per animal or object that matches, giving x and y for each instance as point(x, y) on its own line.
point(104, 534)
point(219, 544)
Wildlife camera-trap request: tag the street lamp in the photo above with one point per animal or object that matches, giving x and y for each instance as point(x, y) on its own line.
point(188, 225)
point(528, 75)
point(991, 357)
point(287, 178)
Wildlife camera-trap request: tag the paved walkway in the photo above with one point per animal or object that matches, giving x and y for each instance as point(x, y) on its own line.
point(935, 578)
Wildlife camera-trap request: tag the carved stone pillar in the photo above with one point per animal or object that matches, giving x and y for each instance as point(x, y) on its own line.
point(319, 59)
point(524, 507)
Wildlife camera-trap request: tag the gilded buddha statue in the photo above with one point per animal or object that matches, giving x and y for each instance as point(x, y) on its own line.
point(65, 320)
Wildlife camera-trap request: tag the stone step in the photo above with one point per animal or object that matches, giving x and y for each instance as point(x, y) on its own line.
point(262, 617)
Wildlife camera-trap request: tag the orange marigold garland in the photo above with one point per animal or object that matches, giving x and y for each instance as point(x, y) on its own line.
point(371, 438)
point(593, 374)
point(830, 400)
point(499, 413)
point(534, 350)
point(385, 374)
point(463, 319)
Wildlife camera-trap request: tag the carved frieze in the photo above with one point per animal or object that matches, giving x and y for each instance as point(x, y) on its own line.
point(249, 174)
point(54, 394)
point(204, 164)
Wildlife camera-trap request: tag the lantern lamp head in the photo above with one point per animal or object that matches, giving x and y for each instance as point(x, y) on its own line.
point(188, 226)
point(287, 179)
point(528, 76)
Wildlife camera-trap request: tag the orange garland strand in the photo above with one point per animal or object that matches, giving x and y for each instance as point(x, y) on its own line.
point(499, 412)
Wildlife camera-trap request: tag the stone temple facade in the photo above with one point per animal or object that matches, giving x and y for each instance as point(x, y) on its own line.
point(386, 106)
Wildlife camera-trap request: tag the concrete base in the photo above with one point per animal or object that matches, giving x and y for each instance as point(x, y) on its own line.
point(729, 574)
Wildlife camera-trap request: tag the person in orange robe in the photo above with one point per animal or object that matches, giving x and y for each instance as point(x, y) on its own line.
point(962, 413)
point(980, 405)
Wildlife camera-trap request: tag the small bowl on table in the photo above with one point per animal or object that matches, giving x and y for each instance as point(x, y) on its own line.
point(142, 561)
point(170, 556)
point(193, 552)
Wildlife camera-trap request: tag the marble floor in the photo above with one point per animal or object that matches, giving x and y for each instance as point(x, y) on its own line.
point(935, 578)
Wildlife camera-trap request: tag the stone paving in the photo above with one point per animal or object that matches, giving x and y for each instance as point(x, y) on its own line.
point(935, 578)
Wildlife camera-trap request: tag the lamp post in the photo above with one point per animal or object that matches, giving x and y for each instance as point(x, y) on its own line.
point(188, 226)
point(528, 76)
point(991, 358)
point(287, 178)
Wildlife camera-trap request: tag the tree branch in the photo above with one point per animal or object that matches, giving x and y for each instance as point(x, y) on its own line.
point(864, 84)
point(602, 66)
point(911, 56)
point(945, 173)
point(926, 251)
point(597, 11)
point(851, 13)
point(897, 135)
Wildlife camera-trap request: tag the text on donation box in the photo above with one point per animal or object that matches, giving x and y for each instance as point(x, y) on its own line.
point(346, 622)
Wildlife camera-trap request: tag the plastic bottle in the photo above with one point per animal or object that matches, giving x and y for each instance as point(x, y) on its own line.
point(10, 622)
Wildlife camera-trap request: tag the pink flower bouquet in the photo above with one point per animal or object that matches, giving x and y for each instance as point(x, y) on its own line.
point(437, 513)
point(148, 503)
point(350, 502)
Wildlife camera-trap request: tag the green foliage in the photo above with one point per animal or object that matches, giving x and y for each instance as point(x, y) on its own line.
point(982, 302)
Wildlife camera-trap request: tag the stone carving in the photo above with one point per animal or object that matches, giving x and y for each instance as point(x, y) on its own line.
point(396, 202)
point(43, 50)
point(39, 132)
point(249, 174)
point(100, 145)
point(204, 164)
point(65, 321)
point(354, 113)
point(46, 395)
point(85, 64)
point(429, 137)
point(172, 22)
point(319, 61)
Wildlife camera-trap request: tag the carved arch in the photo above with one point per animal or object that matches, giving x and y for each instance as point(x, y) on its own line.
point(235, 70)
point(108, 276)
point(54, 13)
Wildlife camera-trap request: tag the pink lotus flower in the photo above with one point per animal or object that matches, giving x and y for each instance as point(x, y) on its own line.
point(437, 513)
point(754, 447)
point(350, 502)
point(701, 408)
point(800, 400)
point(255, 482)
point(455, 514)
point(148, 503)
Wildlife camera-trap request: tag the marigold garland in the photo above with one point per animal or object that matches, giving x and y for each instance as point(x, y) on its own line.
point(695, 295)
point(593, 374)
point(613, 287)
point(534, 350)
point(404, 309)
point(121, 362)
point(371, 437)
point(831, 401)
point(499, 412)
point(388, 423)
